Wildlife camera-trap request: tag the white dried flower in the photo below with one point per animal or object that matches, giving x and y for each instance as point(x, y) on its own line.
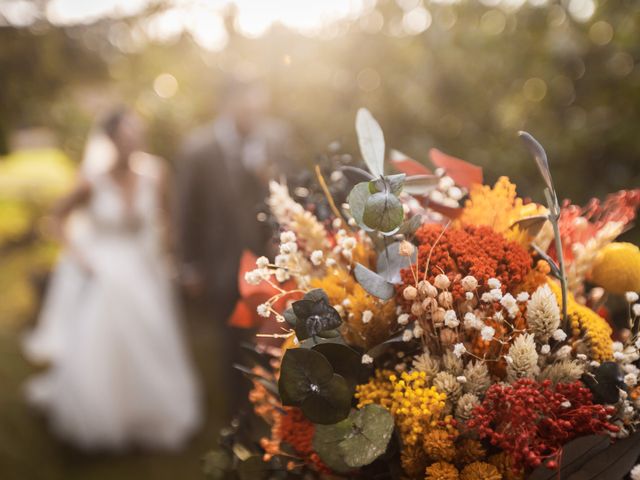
point(635, 473)
point(478, 378)
point(618, 356)
point(487, 333)
point(543, 314)
point(465, 406)
point(442, 281)
point(262, 262)
point(564, 352)
point(316, 257)
point(331, 262)
point(281, 260)
point(486, 297)
point(459, 350)
point(282, 275)
point(472, 322)
point(469, 283)
point(581, 356)
point(348, 243)
point(631, 297)
point(510, 304)
point(559, 335)
point(253, 277)
point(366, 359)
point(450, 319)
point(496, 294)
point(617, 346)
point(636, 309)
point(406, 249)
point(367, 315)
point(493, 283)
point(447, 383)
point(403, 319)
point(407, 336)
point(508, 359)
point(545, 349)
point(522, 297)
point(264, 310)
point(418, 331)
point(455, 193)
point(564, 371)
point(446, 183)
point(452, 363)
point(287, 237)
point(288, 248)
point(461, 379)
point(468, 295)
point(630, 379)
point(498, 317)
point(410, 292)
point(594, 364)
point(566, 404)
point(524, 357)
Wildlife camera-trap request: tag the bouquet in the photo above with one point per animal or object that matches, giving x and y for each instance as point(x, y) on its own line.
point(437, 328)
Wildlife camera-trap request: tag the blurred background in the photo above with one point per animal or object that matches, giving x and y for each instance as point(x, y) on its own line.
point(462, 76)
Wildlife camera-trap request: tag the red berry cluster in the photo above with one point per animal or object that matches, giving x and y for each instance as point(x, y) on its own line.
point(531, 421)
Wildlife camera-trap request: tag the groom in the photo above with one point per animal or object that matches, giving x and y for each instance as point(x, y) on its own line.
point(222, 180)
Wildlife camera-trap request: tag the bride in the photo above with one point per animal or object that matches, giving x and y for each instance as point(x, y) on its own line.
point(119, 374)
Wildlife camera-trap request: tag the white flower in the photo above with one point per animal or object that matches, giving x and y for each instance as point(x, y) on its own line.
point(366, 359)
point(264, 310)
point(594, 363)
point(442, 281)
point(468, 295)
point(418, 331)
point(455, 193)
point(631, 297)
point(508, 359)
point(280, 319)
point(618, 355)
point(617, 346)
point(282, 275)
point(262, 262)
point(459, 350)
point(331, 262)
point(487, 333)
point(486, 297)
point(630, 379)
point(461, 379)
point(566, 404)
point(545, 349)
point(253, 277)
point(498, 317)
point(564, 352)
point(281, 260)
point(636, 310)
point(407, 335)
point(496, 294)
point(559, 335)
point(522, 297)
point(288, 248)
point(635, 473)
point(287, 237)
point(543, 314)
point(581, 356)
point(316, 257)
point(450, 319)
point(403, 319)
point(472, 322)
point(367, 315)
point(509, 302)
point(493, 283)
point(348, 243)
point(469, 283)
point(446, 183)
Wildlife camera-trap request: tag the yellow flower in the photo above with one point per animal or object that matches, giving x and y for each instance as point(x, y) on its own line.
point(441, 471)
point(617, 268)
point(499, 207)
point(585, 321)
point(480, 471)
point(415, 407)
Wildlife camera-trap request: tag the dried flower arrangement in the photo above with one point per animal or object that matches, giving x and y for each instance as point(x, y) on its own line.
point(438, 328)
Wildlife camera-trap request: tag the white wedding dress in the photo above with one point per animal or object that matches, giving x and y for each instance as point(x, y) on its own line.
point(119, 372)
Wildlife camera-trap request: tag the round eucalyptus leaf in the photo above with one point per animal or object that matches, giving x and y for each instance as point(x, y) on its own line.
point(329, 334)
point(326, 440)
point(370, 435)
point(390, 262)
point(357, 199)
point(383, 211)
point(344, 360)
point(302, 371)
point(315, 316)
point(290, 317)
point(328, 402)
point(316, 295)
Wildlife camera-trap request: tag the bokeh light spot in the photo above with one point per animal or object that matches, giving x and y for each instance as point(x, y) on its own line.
point(534, 89)
point(601, 32)
point(368, 79)
point(621, 64)
point(416, 21)
point(493, 22)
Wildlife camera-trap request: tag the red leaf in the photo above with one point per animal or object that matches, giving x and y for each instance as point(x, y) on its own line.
point(463, 173)
point(408, 166)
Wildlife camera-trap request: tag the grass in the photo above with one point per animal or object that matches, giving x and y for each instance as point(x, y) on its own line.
point(29, 452)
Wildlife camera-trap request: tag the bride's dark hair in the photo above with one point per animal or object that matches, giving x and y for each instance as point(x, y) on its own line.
point(111, 121)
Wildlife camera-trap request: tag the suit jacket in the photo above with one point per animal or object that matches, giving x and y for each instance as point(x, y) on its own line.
point(218, 199)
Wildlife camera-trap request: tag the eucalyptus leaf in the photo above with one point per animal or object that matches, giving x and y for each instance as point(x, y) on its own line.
point(372, 430)
point(302, 371)
point(290, 317)
point(379, 349)
point(531, 225)
point(330, 403)
point(392, 183)
point(326, 440)
point(383, 211)
point(371, 141)
point(356, 174)
point(540, 156)
point(315, 316)
point(420, 184)
point(357, 200)
point(373, 283)
point(344, 360)
point(390, 262)
point(409, 227)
